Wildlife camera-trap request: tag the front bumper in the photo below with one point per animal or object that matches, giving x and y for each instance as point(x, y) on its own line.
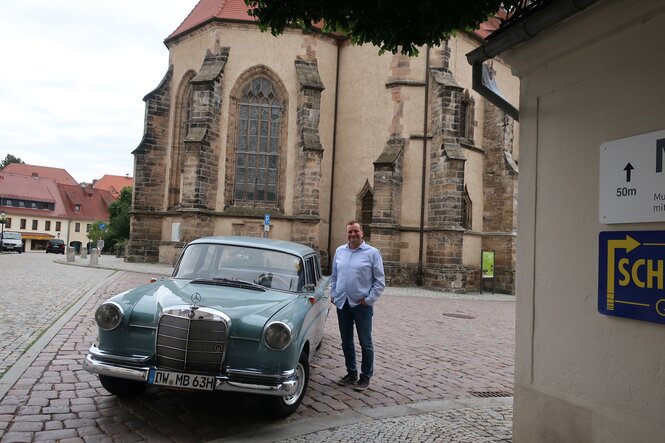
point(237, 380)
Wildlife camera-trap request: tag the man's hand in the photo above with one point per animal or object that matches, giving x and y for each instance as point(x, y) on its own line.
point(362, 302)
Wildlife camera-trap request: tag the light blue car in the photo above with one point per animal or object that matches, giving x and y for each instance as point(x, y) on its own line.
point(239, 314)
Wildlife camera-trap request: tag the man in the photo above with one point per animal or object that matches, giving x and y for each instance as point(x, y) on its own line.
point(356, 283)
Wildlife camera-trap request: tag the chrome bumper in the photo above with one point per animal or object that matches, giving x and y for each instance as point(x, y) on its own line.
point(99, 362)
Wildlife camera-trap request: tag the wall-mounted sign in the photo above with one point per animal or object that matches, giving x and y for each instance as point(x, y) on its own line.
point(631, 275)
point(632, 179)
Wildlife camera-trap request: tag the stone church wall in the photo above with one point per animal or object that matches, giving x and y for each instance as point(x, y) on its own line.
point(352, 125)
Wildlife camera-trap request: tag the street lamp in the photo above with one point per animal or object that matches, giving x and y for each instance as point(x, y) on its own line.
point(3, 214)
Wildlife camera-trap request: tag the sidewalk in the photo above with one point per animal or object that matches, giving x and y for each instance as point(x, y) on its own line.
point(118, 264)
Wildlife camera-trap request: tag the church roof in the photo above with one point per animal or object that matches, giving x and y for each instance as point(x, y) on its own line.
point(209, 10)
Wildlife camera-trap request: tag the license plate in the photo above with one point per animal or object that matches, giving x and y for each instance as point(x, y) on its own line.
point(181, 380)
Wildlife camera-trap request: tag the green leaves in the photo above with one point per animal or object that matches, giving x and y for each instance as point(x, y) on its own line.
point(391, 25)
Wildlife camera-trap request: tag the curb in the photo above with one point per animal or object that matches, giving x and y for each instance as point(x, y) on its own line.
point(363, 416)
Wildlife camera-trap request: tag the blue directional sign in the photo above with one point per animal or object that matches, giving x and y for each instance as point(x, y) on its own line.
point(631, 275)
point(266, 219)
point(102, 226)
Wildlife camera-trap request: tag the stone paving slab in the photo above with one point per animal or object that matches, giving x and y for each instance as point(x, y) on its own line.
point(429, 350)
point(32, 300)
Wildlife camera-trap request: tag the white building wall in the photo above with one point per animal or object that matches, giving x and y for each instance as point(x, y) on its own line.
point(581, 376)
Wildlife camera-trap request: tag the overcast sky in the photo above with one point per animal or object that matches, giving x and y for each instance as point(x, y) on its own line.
point(73, 77)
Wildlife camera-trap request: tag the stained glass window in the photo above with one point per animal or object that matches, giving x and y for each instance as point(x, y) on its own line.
point(257, 147)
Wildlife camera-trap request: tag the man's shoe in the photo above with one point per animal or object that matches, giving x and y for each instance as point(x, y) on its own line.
point(348, 379)
point(361, 384)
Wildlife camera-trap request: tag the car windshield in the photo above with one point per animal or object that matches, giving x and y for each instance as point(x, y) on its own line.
point(11, 235)
point(272, 269)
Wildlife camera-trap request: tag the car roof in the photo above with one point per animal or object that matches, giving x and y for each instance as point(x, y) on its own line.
point(259, 242)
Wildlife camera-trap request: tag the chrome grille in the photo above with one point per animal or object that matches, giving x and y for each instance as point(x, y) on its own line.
point(191, 345)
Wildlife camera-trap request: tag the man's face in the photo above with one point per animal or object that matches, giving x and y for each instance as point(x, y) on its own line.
point(354, 233)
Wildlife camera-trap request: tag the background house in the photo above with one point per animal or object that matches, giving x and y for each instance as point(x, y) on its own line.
point(44, 203)
point(315, 132)
point(113, 183)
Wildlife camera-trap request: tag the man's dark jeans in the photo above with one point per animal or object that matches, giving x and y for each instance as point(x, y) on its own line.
point(361, 316)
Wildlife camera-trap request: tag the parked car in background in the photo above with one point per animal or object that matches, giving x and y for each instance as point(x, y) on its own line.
point(12, 241)
point(56, 246)
point(238, 314)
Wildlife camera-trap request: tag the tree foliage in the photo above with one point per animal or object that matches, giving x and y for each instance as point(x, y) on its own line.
point(117, 231)
point(10, 159)
point(392, 25)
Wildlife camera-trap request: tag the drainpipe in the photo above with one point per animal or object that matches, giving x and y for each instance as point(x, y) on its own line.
point(419, 276)
point(520, 31)
point(332, 169)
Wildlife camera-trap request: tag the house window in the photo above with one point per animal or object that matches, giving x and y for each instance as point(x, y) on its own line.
point(88, 227)
point(77, 208)
point(8, 223)
point(23, 223)
point(257, 144)
point(58, 226)
point(467, 213)
point(21, 204)
point(77, 227)
point(47, 225)
point(33, 205)
point(466, 116)
point(35, 224)
point(8, 202)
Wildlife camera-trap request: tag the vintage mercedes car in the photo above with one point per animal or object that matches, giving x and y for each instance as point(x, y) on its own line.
point(238, 314)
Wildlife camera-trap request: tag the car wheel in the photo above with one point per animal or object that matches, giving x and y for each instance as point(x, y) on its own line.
point(286, 405)
point(120, 386)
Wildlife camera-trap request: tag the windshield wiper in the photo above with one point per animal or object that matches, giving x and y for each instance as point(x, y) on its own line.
point(229, 282)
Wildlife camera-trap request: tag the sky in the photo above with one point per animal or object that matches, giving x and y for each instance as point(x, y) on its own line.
point(73, 76)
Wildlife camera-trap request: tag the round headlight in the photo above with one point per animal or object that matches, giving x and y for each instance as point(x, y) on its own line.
point(108, 316)
point(277, 336)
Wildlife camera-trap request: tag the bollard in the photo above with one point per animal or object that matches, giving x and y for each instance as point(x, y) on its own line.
point(70, 254)
point(84, 253)
point(94, 257)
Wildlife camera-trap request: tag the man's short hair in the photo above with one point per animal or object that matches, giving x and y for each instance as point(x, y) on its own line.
point(355, 222)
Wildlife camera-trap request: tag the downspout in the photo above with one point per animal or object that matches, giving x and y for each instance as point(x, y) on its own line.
point(332, 168)
point(419, 276)
point(520, 31)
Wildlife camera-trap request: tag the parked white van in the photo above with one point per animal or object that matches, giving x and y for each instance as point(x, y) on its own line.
point(12, 241)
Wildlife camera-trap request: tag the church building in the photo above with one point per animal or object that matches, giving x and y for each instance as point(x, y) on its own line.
point(307, 132)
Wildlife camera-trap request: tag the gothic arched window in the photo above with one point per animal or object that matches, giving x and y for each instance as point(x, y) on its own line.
point(257, 153)
point(366, 209)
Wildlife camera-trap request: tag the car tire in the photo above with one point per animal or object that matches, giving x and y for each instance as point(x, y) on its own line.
point(280, 407)
point(121, 387)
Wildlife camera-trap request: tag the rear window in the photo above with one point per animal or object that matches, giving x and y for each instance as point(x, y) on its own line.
point(56, 242)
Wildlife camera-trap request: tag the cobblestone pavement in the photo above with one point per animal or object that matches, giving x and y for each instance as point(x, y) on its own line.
point(435, 355)
point(31, 300)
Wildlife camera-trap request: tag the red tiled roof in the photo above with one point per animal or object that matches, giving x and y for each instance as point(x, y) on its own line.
point(113, 183)
point(490, 25)
point(58, 174)
point(207, 10)
point(92, 202)
point(38, 189)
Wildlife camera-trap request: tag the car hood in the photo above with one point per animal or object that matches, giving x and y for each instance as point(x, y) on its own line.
point(249, 310)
